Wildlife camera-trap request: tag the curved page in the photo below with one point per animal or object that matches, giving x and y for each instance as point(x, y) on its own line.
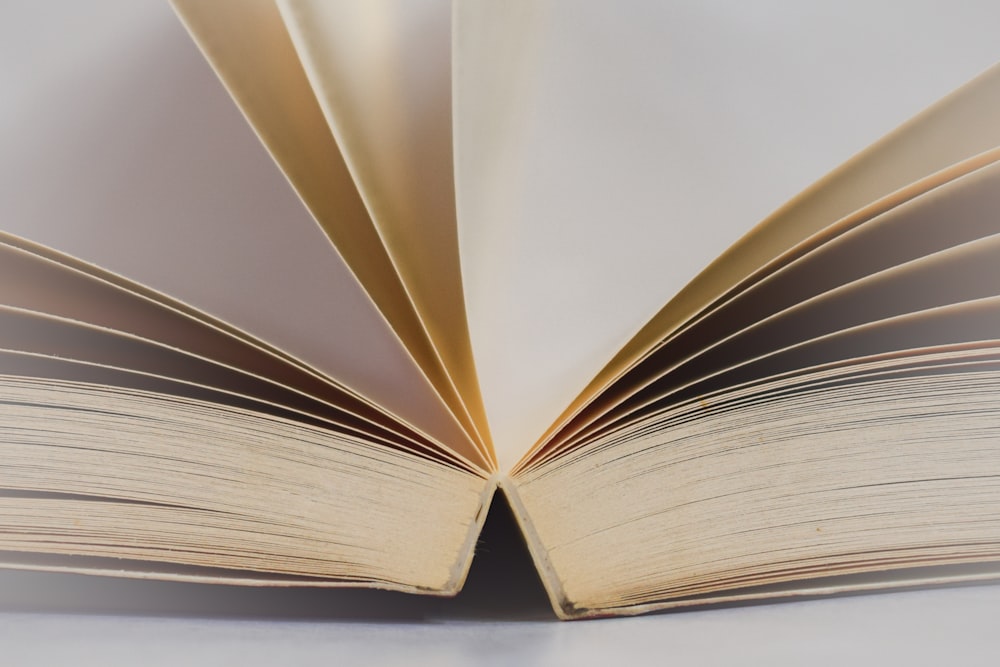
point(876, 466)
point(215, 493)
point(102, 161)
point(607, 152)
point(957, 275)
point(953, 213)
point(48, 336)
point(381, 71)
point(34, 283)
point(958, 127)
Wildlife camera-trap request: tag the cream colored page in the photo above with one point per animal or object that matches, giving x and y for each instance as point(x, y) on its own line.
point(606, 152)
point(952, 135)
point(381, 70)
point(863, 250)
point(129, 154)
point(250, 48)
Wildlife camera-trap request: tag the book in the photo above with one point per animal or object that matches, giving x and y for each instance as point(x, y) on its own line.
point(814, 411)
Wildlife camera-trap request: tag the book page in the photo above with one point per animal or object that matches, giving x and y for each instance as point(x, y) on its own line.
point(789, 340)
point(215, 494)
point(937, 215)
point(37, 285)
point(880, 463)
point(381, 72)
point(607, 153)
point(954, 135)
point(249, 46)
point(132, 157)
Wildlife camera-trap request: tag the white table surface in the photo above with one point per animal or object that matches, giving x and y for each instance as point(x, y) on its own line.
point(501, 618)
point(956, 626)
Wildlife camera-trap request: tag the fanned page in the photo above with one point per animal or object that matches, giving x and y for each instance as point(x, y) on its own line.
point(605, 154)
point(119, 406)
point(830, 425)
point(318, 81)
point(206, 219)
point(382, 74)
point(271, 421)
point(952, 138)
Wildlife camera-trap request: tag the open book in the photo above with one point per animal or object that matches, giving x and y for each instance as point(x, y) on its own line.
point(818, 410)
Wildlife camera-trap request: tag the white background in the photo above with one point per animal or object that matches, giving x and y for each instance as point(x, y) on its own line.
point(61, 54)
point(956, 626)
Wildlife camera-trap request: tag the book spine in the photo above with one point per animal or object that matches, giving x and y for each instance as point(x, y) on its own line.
point(561, 605)
point(460, 571)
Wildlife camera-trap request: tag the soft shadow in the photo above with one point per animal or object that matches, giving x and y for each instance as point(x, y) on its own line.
point(502, 585)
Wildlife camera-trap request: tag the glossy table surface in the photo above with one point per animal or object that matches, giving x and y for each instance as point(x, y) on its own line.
point(500, 618)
